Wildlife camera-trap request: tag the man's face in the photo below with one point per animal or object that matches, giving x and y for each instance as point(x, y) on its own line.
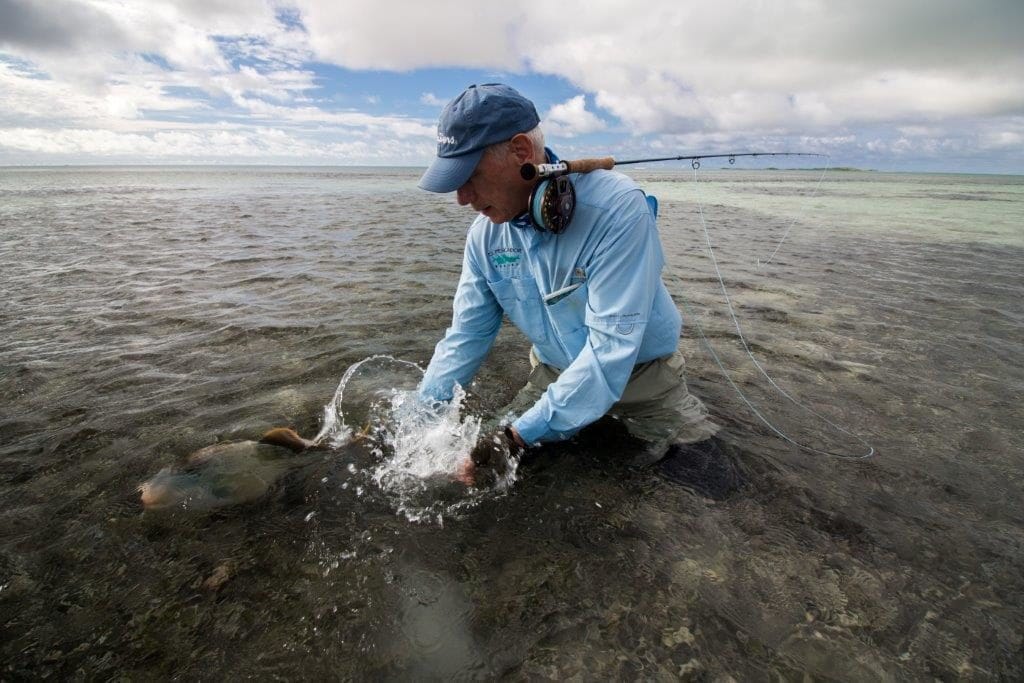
point(496, 189)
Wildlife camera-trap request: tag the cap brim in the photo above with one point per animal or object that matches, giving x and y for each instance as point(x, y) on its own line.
point(449, 174)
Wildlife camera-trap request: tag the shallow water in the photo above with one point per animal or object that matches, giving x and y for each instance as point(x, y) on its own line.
point(149, 312)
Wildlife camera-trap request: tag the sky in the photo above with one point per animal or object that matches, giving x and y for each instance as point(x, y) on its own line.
point(914, 85)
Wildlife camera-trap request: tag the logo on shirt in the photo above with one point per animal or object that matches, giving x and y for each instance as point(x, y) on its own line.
point(505, 258)
point(626, 323)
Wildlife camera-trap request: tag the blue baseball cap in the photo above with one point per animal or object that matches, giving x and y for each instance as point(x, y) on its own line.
point(481, 116)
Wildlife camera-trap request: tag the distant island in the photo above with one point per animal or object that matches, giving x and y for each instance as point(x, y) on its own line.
point(819, 168)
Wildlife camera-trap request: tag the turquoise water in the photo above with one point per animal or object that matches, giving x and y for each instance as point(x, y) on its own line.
point(150, 312)
point(938, 207)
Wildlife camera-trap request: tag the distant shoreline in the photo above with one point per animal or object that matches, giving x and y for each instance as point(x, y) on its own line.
point(204, 167)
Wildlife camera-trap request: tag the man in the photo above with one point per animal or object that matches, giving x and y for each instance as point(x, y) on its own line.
point(591, 300)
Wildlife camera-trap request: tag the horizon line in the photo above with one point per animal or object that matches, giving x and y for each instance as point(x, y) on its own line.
point(215, 164)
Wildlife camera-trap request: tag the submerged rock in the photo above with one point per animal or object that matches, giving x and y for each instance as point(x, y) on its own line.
point(220, 576)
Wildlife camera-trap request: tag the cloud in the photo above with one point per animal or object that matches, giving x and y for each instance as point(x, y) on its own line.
point(873, 77)
point(219, 143)
point(391, 126)
point(62, 26)
point(700, 66)
point(86, 42)
point(37, 100)
point(571, 118)
point(282, 86)
point(432, 100)
point(399, 35)
point(680, 66)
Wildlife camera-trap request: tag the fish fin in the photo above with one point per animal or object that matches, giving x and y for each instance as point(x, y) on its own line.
point(363, 433)
point(288, 438)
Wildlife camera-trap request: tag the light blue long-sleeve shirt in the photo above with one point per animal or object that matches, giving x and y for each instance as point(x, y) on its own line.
point(619, 315)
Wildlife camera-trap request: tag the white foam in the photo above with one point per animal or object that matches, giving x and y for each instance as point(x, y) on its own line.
point(420, 447)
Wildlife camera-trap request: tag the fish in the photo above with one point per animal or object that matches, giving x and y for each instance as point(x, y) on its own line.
point(225, 474)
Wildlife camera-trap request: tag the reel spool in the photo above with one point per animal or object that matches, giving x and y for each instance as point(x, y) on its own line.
point(552, 204)
point(553, 199)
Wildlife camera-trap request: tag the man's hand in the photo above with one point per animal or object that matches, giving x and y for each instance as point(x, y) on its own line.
point(492, 450)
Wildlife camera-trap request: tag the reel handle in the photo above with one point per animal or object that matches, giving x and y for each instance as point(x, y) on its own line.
point(532, 171)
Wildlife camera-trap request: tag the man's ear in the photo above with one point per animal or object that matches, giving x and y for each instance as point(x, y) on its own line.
point(522, 148)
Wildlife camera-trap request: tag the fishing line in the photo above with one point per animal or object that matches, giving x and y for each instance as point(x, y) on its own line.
point(553, 198)
point(746, 348)
point(814, 193)
point(551, 206)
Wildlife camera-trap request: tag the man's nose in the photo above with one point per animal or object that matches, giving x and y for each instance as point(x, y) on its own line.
point(465, 194)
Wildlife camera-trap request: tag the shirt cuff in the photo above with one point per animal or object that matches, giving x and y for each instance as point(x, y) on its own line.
point(431, 393)
point(530, 429)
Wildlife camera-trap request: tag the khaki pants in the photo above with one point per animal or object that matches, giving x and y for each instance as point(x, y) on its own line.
point(655, 407)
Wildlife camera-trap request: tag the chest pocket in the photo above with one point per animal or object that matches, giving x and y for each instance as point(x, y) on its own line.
point(568, 317)
point(520, 299)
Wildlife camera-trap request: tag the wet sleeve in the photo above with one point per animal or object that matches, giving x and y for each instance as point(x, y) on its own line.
point(623, 279)
point(475, 322)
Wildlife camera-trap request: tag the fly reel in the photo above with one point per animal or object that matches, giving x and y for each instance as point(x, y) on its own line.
point(552, 204)
point(553, 199)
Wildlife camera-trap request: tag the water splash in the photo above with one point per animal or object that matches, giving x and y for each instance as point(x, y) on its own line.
point(418, 447)
point(364, 385)
point(420, 441)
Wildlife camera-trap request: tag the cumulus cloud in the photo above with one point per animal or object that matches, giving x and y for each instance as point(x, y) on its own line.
point(704, 73)
point(83, 80)
point(400, 35)
point(571, 118)
point(91, 43)
point(702, 66)
point(31, 98)
point(391, 126)
point(205, 145)
point(61, 26)
point(681, 66)
point(432, 100)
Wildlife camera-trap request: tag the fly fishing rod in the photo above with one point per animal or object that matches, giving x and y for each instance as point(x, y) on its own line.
point(553, 199)
point(551, 207)
point(542, 171)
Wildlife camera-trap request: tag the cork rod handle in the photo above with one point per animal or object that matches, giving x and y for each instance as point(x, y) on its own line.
point(588, 165)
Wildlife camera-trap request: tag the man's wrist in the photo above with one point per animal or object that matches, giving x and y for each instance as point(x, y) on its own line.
point(514, 438)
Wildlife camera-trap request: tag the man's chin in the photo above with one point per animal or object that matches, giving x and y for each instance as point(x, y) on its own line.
point(494, 215)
